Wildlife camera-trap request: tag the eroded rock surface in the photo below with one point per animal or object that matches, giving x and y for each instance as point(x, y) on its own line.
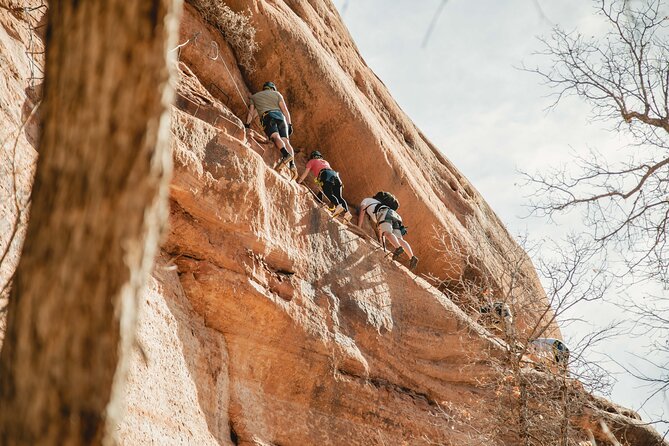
point(21, 59)
point(268, 323)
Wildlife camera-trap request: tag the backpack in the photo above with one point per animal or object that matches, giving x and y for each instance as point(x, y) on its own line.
point(387, 199)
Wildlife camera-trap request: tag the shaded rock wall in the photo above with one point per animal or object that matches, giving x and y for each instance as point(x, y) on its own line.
point(178, 383)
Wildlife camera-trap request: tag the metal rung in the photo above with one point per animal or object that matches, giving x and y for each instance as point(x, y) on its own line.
point(33, 64)
point(34, 8)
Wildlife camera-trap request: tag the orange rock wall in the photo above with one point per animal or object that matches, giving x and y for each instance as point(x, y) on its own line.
point(265, 322)
point(340, 107)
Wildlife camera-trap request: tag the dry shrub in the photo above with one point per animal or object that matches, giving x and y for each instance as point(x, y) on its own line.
point(236, 28)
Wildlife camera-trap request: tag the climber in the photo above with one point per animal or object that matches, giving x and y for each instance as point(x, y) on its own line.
point(382, 210)
point(499, 310)
point(270, 106)
point(329, 182)
point(553, 347)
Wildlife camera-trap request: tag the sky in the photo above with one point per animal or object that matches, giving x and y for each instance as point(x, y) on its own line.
point(465, 90)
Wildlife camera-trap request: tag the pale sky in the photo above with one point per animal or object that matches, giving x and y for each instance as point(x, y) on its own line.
point(466, 94)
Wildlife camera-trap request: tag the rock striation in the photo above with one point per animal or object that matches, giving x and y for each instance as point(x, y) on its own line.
point(268, 323)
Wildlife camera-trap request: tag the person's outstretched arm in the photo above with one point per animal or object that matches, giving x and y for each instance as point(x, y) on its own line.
point(284, 110)
point(252, 113)
point(304, 176)
point(361, 216)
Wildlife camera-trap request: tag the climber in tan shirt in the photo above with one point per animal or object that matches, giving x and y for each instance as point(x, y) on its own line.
point(270, 106)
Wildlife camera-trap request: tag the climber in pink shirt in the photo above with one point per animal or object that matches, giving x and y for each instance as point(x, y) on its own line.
point(328, 180)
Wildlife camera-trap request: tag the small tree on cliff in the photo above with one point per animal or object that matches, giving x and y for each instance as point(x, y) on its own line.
point(98, 205)
point(624, 76)
point(536, 403)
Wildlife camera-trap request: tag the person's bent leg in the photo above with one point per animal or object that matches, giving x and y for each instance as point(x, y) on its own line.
point(387, 231)
point(283, 133)
point(413, 260)
point(278, 142)
point(336, 191)
point(406, 246)
point(328, 191)
point(289, 147)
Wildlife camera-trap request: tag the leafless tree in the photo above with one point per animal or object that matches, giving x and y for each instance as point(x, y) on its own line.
point(538, 402)
point(624, 76)
point(651, 323)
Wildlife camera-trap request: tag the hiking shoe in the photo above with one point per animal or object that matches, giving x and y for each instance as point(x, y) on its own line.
point(347, 216)
point(413, 263)
point(338, 210)
point(293, 173)
point(398, 252)
point(283, 161)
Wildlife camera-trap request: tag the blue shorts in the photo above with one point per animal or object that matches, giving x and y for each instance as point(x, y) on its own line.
point(274, 122)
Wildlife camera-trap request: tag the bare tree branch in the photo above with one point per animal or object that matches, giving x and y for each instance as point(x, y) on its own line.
point(624, 76)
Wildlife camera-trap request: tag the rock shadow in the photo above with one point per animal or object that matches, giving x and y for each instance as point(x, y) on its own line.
point(31, 116)
point(207, 360)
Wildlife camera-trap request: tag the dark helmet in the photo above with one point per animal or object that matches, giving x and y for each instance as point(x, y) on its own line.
point(315, 154)
point(269, 86)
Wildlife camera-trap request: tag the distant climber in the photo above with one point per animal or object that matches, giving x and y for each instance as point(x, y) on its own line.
point(555, 348)
point(499, 312)
point(270, 106)
point(497, 316)
point(328, 181)
point(382, 210)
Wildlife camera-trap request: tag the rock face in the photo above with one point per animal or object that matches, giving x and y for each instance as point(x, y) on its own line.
point(341, 108)
point(268, 323)
point(19, 98)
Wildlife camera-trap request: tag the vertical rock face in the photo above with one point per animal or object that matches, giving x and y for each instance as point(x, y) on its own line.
point(20, 33)
point(267, 323)
point(342, 108)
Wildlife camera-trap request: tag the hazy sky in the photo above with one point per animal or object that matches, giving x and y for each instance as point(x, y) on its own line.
point(463, 89)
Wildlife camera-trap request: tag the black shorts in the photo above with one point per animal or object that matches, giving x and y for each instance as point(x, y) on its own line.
point(271, 123)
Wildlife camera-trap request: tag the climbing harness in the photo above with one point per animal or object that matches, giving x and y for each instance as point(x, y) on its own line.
point(391, 217)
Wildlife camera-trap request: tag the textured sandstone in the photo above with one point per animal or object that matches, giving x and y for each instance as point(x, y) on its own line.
point(341, 108)
point(267, 323)
point(19, 97)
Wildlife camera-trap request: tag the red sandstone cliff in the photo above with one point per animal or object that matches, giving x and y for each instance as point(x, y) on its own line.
point(267, 323)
